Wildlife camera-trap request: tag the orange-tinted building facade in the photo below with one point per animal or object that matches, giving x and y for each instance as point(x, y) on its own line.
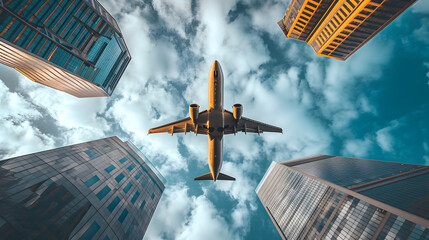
point(338, 28)
point(74, 46)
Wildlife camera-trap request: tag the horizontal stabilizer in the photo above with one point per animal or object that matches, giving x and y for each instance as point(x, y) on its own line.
point(207, 176)
point(225, 177)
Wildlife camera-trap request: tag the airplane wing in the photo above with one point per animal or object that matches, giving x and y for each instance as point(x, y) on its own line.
point(184, 125)
point(246, 125)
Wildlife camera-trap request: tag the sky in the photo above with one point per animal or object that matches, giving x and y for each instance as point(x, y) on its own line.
point(375, 105)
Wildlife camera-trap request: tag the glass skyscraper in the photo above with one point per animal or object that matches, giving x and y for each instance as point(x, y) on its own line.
point(71, 45)
point(331, 197)
point(103, 189)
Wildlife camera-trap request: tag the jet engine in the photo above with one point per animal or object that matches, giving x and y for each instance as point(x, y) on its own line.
point(237, 111)
point(194, 109)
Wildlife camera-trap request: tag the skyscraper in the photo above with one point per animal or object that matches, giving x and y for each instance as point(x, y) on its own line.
point(74, 46)
point(338, 28)
point(103, 189)
point(330, 197)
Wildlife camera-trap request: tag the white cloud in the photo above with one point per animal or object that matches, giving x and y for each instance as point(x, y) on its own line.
point(17, 134)
point(14, 106)
point(181, 216)
point(242, 190)
point(238, 49)
point(342, 101)
point(171, 212)
point(79, 119)
point(205, 222)
point(175, 13)
point(384, 138)
point(265, 18)
point(136, 114)
point(357, 147)
point(19, 138)
point(153, 60)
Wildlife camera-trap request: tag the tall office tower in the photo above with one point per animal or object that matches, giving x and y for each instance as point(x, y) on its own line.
point(71, 45)
point(330, 197)
point(104, 189)
point(338, 28)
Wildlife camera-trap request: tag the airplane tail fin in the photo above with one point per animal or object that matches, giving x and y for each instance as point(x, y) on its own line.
point(208, 176)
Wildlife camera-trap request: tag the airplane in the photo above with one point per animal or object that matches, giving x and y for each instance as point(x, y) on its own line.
point(215, 122)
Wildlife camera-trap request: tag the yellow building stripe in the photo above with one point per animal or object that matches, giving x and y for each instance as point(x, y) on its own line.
point(346, 23)
point(296, 19)
point(322, 25)
point(329, 56)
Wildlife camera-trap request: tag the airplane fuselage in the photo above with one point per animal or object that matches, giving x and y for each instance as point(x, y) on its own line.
point(215, 122)
point(216, 119)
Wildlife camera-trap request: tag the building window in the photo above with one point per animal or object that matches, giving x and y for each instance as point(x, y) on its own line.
point(92, 181)
point(131, 167)
point(110, 168)
point(103, 192)
point(119, 177)
point(136, 195)
point(90, 232)
point(123, 160)
point(153, 195)
point(138, 175)
point(123, 215)
point(91, 153)
point(128, 187)
point(130, 229)
point(113, 204)
point(142, 205)
point(143, 183)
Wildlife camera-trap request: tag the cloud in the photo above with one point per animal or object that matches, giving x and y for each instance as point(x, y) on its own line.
point(137, 113)
point(265, 18)
point(177, 14)
point(181, 216)
point(357, 147)
point(205, 222)
point(17, 134)
point(384, 138)
point(343, 82)
point(242, 190)
point(14, 106)
point(79, 119)
point(172, 210)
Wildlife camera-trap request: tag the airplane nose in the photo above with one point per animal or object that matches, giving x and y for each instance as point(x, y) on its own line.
point(215, 65)
point(216, 69)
